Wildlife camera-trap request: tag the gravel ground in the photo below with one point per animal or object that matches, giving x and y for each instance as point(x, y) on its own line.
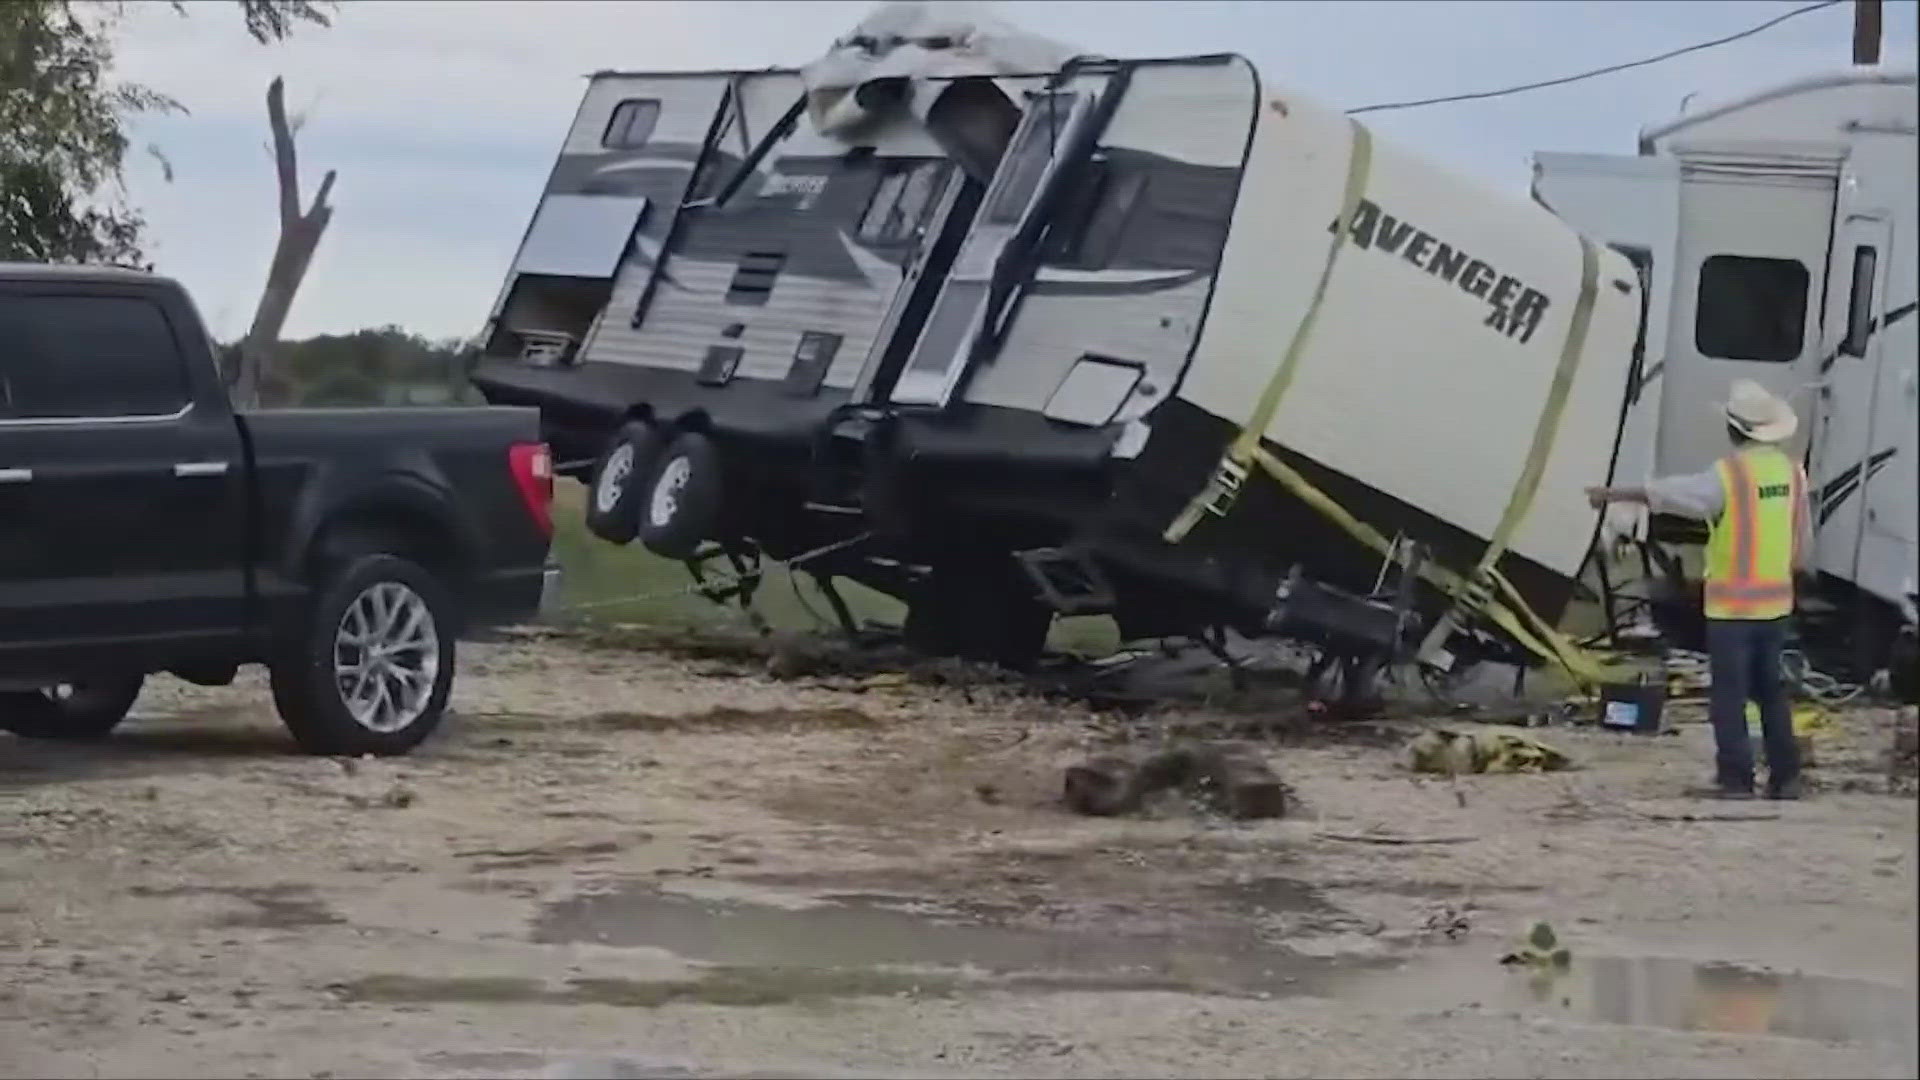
point(618, 863)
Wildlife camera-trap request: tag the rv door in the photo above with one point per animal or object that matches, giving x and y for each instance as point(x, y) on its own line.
point(1632, 204)
point(1862, 470)
point(1032, 160)
point(1752, 259)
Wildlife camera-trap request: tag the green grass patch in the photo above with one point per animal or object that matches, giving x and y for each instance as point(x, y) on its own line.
point(629, 584)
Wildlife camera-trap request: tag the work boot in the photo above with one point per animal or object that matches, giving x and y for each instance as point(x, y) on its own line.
point(1789, 791)
point(1717, 790)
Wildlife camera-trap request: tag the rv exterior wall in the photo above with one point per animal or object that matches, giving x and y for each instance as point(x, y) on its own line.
point(1430, 362)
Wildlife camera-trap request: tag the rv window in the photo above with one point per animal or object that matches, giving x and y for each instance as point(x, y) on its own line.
point(1086, 232)
point(1866, 261)
point(1750, 308)
point(632, 124)
point(906, 192)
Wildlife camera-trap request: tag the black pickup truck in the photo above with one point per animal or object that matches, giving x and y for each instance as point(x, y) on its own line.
point(148, 526)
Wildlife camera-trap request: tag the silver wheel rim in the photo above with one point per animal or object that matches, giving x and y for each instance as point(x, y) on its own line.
point(667, 489)
point(386, 657)
point(613, 478)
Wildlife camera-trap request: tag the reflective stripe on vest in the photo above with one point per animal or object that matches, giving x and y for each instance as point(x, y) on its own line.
point(1750, 553)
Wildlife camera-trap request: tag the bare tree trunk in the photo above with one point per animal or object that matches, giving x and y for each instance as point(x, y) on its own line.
point(299, 236)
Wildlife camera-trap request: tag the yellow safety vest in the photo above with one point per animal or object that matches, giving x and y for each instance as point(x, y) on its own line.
point(1750, 552)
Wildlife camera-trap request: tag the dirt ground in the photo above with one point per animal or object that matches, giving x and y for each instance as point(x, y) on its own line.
point(613, 863)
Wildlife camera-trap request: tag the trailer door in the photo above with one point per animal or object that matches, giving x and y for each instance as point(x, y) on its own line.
point(1633, 205)
point(1752, 268)
point(1027, 170)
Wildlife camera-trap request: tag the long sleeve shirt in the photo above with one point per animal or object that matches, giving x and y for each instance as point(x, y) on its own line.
point(1699, 496)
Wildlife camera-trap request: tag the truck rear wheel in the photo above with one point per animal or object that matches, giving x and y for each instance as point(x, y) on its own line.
point(372, 668)
point(76, 710)
point(614, 486)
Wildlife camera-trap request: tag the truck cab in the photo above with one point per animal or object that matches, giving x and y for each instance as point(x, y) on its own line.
point(146, 526)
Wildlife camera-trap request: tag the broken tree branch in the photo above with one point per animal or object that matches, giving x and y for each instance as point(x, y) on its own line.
point(300, 234)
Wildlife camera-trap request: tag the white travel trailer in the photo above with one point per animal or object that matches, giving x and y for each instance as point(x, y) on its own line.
point(1777, 235)
point(1003, 332)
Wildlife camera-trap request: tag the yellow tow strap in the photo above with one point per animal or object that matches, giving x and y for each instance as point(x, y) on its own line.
point(1545, 432)
point(1224, 486)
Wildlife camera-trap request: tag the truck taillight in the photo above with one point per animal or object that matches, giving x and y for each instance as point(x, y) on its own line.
point(532, 467)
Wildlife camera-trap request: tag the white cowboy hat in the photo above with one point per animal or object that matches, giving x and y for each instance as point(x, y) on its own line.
point(1758, 415)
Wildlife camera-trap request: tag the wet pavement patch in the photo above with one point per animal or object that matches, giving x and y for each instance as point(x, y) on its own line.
point(866, 935)
point(723, 716)
point(1656, 991)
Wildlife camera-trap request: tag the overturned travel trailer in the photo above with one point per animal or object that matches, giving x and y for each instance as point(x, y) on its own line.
point(1776, 234)
point(1005, 332)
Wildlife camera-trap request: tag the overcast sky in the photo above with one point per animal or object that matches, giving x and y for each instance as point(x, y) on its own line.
point(443, 116)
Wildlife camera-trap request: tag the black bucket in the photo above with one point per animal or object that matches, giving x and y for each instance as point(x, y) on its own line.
point(1632, 707)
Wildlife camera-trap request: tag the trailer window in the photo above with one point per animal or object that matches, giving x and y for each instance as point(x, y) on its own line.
point(1866, 262)
point(632, 124)
point(85, 357)
point(1750, 308)
point(901, 201)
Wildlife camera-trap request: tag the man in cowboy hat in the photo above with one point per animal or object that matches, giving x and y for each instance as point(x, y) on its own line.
point(1755, 502)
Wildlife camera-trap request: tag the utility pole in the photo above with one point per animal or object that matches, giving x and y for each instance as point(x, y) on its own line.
point(1866, 31)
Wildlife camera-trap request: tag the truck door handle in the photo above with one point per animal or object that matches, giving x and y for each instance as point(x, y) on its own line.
point(15, 476)
point(200, 468)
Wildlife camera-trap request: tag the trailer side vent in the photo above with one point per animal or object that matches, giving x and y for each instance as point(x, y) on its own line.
point(754, 276)
point(811, 359)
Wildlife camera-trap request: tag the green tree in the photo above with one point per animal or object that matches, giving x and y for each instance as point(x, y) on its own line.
point(63, 124)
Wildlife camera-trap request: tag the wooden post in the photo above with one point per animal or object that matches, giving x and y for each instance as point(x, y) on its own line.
point(299, 236)
point(1866, 31)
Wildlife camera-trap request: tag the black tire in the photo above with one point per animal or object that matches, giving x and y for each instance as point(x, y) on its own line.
point(309, 692)
point(614, 486)
point(980, 609)
point(680, 504)
point(73, 711)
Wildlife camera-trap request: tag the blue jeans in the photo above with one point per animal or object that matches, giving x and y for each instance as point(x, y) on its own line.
point(1746, 667)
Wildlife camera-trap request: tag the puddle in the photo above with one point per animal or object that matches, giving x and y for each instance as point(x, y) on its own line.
point(865, 933)
point(1664, 992)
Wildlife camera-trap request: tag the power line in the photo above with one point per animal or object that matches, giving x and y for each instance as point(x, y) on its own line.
point(1523, 88)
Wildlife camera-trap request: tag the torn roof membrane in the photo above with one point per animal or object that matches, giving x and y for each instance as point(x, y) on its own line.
point(898, 44)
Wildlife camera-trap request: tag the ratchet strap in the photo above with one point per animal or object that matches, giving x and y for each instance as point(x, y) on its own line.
point(1224, 486)
point(1545, 433)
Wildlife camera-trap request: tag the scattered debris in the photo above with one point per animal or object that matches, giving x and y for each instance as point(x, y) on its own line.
point(1228, 780)
point(1451, 922)
point(1383, 838)
point(1484, 750)
point(722, 716)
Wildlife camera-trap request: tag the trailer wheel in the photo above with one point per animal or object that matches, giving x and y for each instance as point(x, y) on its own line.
point(613, 488)
point(982, 610)
point(681, 502)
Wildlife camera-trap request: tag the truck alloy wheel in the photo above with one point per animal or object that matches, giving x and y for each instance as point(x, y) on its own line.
point(88, 709)
point(613, 511)
point(683, 497)
point(375, 662)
